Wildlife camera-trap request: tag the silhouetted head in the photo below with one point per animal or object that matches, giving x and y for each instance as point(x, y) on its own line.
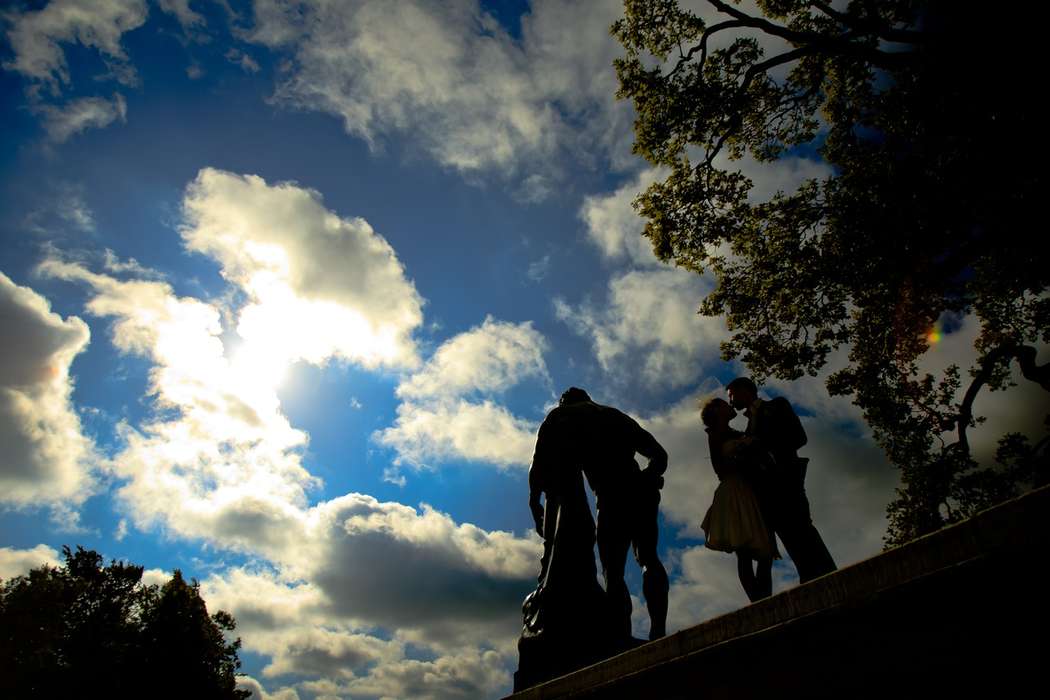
point(573, 395)
point(742, 392)
point(716, 413)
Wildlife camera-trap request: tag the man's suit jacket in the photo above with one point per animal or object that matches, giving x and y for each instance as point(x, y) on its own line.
point(777, 427)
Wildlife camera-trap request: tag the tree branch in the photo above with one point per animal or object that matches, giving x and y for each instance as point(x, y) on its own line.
point(834, 45)
point(702, 45)
point(902, 36)
point(1025, 355)
point(751, 74)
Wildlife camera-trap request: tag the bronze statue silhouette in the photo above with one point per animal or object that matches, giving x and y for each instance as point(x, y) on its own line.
point(734, 522)
point(566, 619)
point(569, 621)
point(628, 500)
point(781, 491)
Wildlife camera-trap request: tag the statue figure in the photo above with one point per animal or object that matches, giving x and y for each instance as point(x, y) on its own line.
point(569, 620)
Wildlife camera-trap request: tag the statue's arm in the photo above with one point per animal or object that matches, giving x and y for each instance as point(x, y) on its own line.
point(535, 506)
point(538, 473)
point(647, 446)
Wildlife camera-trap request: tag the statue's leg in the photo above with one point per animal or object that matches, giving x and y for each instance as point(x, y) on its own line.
point(655, 585)
point(613, 542)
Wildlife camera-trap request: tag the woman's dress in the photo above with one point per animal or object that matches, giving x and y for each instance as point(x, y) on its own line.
point(734, 522)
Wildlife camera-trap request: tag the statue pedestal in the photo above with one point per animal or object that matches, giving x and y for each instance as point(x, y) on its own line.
point(562, 636)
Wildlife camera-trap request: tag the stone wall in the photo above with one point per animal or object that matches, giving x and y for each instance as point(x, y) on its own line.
point(962, 612)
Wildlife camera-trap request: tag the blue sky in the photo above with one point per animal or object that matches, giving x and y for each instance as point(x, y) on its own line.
point(287, 288)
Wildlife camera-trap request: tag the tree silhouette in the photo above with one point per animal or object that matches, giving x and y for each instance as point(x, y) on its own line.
point(925, 119)
point(85, 628)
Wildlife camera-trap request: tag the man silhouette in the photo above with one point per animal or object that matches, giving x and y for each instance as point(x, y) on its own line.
point(628, 500)
point(782, 493)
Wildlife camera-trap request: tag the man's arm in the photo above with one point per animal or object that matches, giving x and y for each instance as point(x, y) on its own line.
point(787, 426)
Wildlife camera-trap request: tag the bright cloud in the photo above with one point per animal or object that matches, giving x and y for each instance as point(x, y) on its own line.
point(362, 566)
point(17, 562)
point(227, 457)
point(489, 358)
point(319, 285)
point(469, 673)
point(36, 37)
point(615, 227)
point(448, 74)
point(648, 329)
point(258, 692)
point(221, 464)
point(441, 417)
point(44, 456)
point(62, 123)
point(425, 434)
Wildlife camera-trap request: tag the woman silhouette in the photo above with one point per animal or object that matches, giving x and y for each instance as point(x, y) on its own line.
point(734, 522)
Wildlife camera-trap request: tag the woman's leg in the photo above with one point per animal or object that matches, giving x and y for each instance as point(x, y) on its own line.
point(746, 574)
point(763, 579)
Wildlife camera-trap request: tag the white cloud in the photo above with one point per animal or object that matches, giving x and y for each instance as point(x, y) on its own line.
point(240, 58)
point(615, 227)
point(355, 580)
point(538, 269)
point(258, 692)
point(441, 416)
point(17, 562)
point(362, 566)
point(44, 456)
point(35, 37)
point(189, 20)
point(462, 675)
point(220, 456)
point(489, 358)
point(130, 266)
point(320, 285)
point(62, 123)
point(783, 175)
point(155, 577)
point(451, 77)
point(73, 210)
point(648, 329)
point(424, 571)
point(425, 434)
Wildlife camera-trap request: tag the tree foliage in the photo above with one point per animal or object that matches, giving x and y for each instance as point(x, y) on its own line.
point(86, 629)
point(926, 118)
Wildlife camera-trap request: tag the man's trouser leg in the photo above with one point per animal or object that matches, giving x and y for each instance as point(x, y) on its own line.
point(801, 539)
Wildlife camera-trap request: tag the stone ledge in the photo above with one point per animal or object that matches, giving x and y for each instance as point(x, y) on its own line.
point(913, 613)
